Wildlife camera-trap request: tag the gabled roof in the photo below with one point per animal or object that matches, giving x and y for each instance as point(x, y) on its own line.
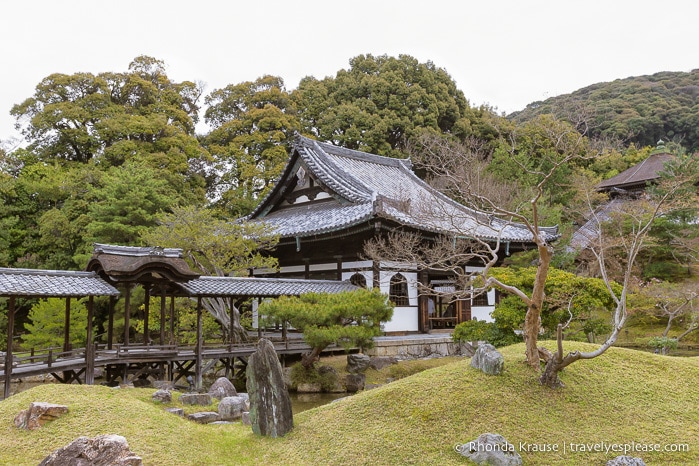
point(638, 175)
point(261, 287)
point(52, 283)
point(366, 186)
point(130, 263)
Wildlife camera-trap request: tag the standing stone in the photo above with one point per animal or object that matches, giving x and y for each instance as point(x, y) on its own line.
point(38, 414)
point(491, 449)
point(103, 450)
point(357, 363)
point(488, 359)
point(222, 388)
point(270, 405)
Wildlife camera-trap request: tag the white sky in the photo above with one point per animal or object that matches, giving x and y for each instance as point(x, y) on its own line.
point(506, 53)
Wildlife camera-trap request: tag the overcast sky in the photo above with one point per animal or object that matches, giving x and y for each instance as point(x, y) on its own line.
point(505, 53)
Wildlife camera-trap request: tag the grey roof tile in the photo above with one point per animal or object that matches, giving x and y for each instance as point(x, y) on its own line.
point(261, 287)
point(56, 283)
point(376, 186)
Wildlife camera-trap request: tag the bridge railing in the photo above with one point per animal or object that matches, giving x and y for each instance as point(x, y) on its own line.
point(46, 356)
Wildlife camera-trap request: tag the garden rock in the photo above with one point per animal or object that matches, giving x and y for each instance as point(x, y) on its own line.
point(201, 399)
point(222, 388)
point(379, 362)
point(245, 419)
point(232, 407)
point(626, 461)
point(488, 359)
point(141, 383)
point(175, 411)
point(270, 405)
point(313, 387)
point(355, 382)
point(162, 396)
point(103, 450)
point(357, 363)
point(204, 417)
point(38, 414)
point(491, 449)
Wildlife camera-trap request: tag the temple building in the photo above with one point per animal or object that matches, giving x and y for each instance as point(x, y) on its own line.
point(329, 201)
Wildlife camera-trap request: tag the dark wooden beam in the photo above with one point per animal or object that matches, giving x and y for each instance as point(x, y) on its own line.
point(127, 314)
point(66, 327)
point(200, 347)
point(146, 309)
point(8, 353)
point(90, 346)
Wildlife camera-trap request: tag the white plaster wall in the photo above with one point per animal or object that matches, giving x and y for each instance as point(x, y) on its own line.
point(368, 276)
point(405, 319)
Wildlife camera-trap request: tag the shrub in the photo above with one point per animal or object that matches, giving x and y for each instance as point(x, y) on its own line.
point(480, 330)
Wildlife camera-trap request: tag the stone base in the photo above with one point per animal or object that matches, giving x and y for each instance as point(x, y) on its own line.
point(417, 347)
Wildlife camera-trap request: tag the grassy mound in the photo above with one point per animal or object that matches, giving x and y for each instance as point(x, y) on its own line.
point(622, 397)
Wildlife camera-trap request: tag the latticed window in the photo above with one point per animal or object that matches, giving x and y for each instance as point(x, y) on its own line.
point(480, 300)
point(398, 291)
point(358, 280)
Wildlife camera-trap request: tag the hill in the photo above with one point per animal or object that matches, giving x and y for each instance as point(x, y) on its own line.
point(622, 397)
point(641, 109)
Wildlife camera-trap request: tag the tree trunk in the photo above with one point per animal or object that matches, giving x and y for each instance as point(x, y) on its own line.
point(218, 308)
point(532, 320)
point(550, 375)
point(308, 359)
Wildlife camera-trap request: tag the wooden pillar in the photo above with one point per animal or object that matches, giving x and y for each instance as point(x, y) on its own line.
point(231, 325)
point(422, 304)
point(339, 267)
point(307, 269)
point(376, 272)
point(110, 322)
point(173, 340)
point(127, 314)
point(163, 302)
point(66, 327)
point(146, 311)
point(8, 353)
point(259, 320)
point(199, 347)
point(90, 345)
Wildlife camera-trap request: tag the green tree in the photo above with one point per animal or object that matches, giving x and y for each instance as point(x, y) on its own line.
point(380, 103)
point(252, 123)
point(115, 117)
point(46, 324)
point(216, 247)
point(350, 319)
point(127, 204)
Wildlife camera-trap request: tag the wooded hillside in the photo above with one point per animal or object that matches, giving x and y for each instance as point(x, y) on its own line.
point(639, 110)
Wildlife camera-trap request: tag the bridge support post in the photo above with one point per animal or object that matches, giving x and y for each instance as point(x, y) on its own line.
point(66, 327)
point(8, 353)
point(90, 345)
point(199, 347)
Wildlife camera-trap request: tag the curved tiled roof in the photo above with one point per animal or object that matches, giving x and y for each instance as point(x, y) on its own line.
point(639, 174)
point(52, 283)
point(262, 287)
point(370, 186)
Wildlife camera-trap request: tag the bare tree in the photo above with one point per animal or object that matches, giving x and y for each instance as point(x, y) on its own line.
point(553, 148)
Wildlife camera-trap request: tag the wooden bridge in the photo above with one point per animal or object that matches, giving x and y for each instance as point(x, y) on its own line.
point(165, 362)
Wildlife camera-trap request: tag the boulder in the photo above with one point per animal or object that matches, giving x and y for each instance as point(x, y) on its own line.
point(379, 362)
point(314, 387)
point(38, 414)
point(246, 397)
point(626, 461)
point(201, 399)
point(164, 385)
point(176, 411)
point(222, 388)
point(355, 382)
point(245, 419)
point(357, 363)
point(103, 450)
point(270, 405)
point(162, 396)
point(141, 383)
point(491, 449)
point(204, 417)
point(488, 359)
point(232, 407)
